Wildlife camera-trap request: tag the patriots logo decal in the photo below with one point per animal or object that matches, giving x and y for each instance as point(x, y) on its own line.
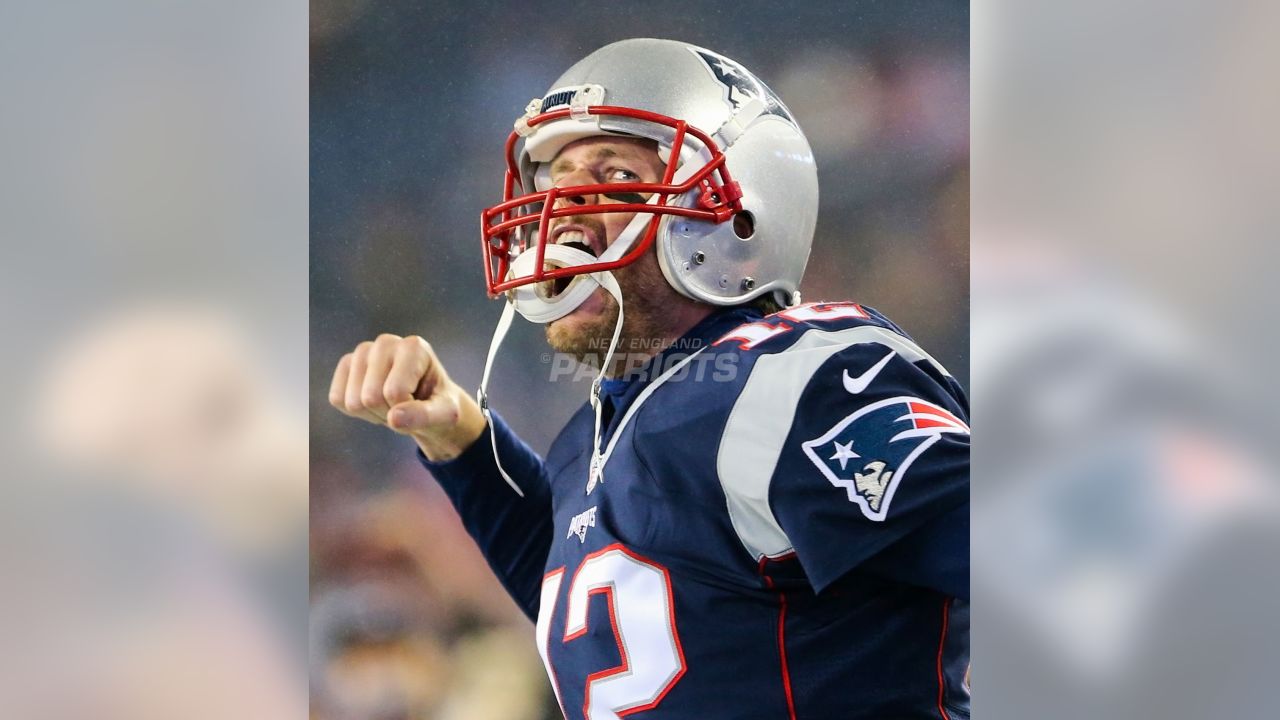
point(868, 453)
point(740, 85)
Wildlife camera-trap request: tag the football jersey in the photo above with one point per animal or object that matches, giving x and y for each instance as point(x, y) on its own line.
point(779, 527)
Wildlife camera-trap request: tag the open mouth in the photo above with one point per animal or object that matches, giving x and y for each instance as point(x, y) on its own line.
point(574, 238)
point(558, 286)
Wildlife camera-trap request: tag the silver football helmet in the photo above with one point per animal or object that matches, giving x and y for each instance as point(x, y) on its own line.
point(734, 217)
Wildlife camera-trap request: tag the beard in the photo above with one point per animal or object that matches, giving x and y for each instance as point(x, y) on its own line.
point(647, 296)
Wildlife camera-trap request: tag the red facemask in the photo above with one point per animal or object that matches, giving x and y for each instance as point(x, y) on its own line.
point(719, 199)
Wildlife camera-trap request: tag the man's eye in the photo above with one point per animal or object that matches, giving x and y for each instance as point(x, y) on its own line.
point(622, 175)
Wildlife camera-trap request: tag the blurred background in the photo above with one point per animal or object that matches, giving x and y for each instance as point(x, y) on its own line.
point(1126, 526)
point(153, 304)
point(410, 106)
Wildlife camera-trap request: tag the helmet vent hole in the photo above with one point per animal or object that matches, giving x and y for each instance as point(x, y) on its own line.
point(744, 225)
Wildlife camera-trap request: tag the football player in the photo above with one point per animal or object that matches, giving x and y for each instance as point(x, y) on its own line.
point(765, 518)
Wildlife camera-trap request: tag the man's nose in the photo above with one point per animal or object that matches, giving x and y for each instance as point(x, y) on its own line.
point(569, 182)
point(571, 200)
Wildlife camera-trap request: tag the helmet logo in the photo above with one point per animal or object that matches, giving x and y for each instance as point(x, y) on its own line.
point(740, 86)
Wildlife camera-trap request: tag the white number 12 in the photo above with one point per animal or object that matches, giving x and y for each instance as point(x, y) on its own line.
point(638, 593)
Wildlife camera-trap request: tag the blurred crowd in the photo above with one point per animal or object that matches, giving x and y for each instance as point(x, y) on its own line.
point(410, 105)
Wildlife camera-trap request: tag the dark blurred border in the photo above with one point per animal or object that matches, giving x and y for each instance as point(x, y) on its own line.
point(153, 199)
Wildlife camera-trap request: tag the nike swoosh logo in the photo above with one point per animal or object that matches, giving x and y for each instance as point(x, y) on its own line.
point(856, 385)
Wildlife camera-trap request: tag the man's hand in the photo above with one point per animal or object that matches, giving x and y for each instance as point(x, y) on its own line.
point(400, 383)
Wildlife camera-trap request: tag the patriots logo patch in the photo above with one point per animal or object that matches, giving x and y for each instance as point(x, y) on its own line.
point(868, 453)
point(740, 86)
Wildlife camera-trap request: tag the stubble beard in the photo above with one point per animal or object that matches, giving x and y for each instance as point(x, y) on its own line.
point(645, 292)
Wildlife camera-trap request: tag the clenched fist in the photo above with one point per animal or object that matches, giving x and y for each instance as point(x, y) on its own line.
point(400, 383)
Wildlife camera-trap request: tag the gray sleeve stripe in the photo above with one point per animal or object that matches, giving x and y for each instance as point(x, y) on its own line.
point(761, 419)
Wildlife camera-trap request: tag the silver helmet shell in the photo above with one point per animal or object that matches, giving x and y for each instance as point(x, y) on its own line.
point(763, 147)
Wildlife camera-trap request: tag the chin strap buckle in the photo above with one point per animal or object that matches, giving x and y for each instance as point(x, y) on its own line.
point(585, 97)
point(522, 123)
point(726, 198)
point(737, 124)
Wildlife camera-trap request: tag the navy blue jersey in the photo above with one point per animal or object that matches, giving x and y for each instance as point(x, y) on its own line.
point(780, 528)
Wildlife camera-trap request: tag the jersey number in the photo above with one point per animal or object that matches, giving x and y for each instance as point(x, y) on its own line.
point(752, 334)
point(641, 610)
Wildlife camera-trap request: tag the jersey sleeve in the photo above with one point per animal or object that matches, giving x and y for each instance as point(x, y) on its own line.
point(851, 449)
point(876, 461)
point(513, 532)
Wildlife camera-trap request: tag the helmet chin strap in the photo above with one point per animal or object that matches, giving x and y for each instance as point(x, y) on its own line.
point(482, 394)
point(595, 469)
point(538, 309)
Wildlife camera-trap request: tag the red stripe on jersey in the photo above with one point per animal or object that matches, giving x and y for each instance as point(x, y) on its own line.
point(782, 654)
point(782, 635)
point(942, 643)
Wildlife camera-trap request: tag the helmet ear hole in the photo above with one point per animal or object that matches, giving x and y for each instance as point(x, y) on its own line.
point(744, 225)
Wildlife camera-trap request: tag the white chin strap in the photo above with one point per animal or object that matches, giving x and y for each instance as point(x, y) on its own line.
point(531, 302)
